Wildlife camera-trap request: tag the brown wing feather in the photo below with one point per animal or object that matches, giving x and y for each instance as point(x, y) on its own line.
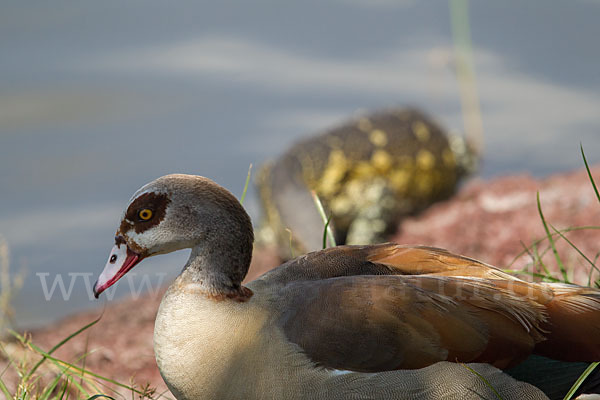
point(369, 323)
point(330, 263)
point(420, 260)
point(384, 307)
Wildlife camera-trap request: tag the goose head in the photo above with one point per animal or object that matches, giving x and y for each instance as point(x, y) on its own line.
point(184, 211)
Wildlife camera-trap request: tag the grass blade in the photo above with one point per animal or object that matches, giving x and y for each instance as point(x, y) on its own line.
point(587, 167)
point(465, 74)
point(324, 217)
point(62, 395)
point(576, 249)
point(538, 241)
point(73, 377)
point(162, 394)
point(84, 357)
point(538, 260)
point(580, 380)
point(4, 389)
point(58, 345)
point(591, 270)
point(80, 387)
point(325, 232)
point(492, 388)
point(533, 274)
point(291, 241)
point(8, 357)
point(49, 389)
point(246, 184)
point(561, 266)
point(80, 370)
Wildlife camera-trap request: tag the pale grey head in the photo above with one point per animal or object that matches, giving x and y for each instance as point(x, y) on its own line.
point(185, 211)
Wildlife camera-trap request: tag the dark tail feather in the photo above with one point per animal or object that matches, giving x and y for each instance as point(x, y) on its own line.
point(555, 378)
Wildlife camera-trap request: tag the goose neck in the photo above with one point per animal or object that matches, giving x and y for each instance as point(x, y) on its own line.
point(218, 270)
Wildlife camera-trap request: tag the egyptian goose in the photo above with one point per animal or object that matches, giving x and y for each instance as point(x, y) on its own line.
point(382, 321)
point(368, 172)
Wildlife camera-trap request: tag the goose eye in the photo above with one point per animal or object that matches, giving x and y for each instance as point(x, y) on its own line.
point(145, 214)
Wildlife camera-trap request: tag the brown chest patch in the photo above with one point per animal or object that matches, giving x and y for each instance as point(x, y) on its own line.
point(155, 202)
point(241, 296)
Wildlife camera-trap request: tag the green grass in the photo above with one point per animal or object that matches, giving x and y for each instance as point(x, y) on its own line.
point(593, 266)
point(246, 184)
point(538, 269)
point(31, 373)
point(580, 380)
point(538, 249)
point(587, 167)
point(327, 231)
point(51, 378)
point(485, 381)
point(559, 262)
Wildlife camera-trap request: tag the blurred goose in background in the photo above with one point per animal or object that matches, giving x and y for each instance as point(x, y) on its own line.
point(369, 172)
point(380, 322)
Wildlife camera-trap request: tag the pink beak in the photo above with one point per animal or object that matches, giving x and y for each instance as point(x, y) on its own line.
point(120, 261)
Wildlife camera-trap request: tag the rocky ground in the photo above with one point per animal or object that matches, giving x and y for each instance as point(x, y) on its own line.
point(487, 220)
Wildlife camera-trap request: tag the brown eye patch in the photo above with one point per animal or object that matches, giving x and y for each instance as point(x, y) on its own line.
point(146, 211)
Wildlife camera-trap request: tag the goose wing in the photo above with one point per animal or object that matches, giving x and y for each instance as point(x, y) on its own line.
point(387, 307)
